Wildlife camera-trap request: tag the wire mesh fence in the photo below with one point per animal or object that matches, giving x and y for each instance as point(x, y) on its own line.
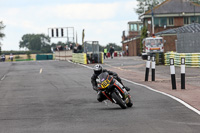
point(91, 48)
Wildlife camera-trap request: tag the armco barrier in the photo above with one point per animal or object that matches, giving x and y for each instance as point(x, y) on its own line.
point(191, 59)
point(79, 58)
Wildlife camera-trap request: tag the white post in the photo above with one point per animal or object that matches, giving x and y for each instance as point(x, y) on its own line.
point(147, 68)
point(153, 66)
point(172, 71)
point(182, 73)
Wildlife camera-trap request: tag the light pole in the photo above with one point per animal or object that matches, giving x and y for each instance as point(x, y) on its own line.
point(152, 18)
point(0, 48)
point(150, 32)
point(194, 20)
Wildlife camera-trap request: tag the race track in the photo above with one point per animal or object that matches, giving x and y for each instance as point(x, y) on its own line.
point(57, 97)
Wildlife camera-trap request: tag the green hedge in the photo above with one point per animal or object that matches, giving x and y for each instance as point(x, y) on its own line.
point(23, 59)
point(20, 52)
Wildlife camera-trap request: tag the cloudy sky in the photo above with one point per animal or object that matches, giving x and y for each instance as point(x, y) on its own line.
point(103, 20)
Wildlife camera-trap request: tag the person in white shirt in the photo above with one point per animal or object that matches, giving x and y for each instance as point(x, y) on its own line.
point(11, 57)
point(127, 50)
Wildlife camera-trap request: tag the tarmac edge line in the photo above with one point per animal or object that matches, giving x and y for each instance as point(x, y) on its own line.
point(149, 88)
point(4, 76)
point(163, 93)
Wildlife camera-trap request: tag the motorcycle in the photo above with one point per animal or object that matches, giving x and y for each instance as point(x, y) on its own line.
point(113, 90)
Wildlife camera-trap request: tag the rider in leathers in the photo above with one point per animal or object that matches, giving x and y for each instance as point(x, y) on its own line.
point(98, 69)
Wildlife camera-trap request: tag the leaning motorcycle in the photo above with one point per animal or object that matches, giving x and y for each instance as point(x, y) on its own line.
point(113, 90)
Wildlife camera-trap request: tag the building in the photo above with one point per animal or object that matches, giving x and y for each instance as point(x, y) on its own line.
point(131, 38)
point(188, 40)
point(172, 14)
point(169, 15)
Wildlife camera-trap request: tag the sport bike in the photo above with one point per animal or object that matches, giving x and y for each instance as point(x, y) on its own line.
point(113, 90)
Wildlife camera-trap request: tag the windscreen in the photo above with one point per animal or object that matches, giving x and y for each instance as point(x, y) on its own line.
point(153, 42)
point(102, 77)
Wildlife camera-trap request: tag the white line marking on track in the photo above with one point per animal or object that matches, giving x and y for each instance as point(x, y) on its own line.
point(40, 70)
point(3, 78)
point(163, 93)
point(173, 97)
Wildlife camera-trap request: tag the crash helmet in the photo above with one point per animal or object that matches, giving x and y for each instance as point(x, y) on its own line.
point(98, 69)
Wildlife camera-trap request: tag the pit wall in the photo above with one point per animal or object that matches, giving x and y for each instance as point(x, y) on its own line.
point(63, 55)
point(191, 59)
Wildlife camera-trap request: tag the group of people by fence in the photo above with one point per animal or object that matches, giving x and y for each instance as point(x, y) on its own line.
point(111, 52)
point(76, 49)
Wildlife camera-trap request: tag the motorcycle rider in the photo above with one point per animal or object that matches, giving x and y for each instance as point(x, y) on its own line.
point(98, 69)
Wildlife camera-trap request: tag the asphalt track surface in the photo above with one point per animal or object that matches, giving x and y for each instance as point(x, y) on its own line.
point(57, 97)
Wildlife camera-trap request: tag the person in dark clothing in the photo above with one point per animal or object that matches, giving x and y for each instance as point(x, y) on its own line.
point(98, 69)
point(71, 47)
point(111, 51)
point(79, 48)
point(3, 58)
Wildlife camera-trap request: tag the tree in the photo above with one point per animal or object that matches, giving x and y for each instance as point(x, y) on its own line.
point(2, 35)
point(195, 1)
point(145, 5)
point(46, 49)
point(115, 46)
point(35, 42)
point(143, 35)
point(2, 26)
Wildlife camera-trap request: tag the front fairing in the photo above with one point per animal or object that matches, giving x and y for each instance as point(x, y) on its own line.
point(104, 81)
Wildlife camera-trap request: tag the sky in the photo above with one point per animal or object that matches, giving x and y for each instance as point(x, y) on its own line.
point(103, 20)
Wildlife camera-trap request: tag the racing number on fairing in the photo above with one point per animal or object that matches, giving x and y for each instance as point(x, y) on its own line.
point(105, 83)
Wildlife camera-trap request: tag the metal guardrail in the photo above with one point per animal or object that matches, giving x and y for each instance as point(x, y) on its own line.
point(191, 59)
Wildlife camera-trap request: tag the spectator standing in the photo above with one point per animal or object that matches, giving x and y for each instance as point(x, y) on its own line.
point(123, 53)
point(127, 50)
point(66, 47)
point(111, 52)
point(70, 46)
point(75, 49)
point(105, 52)
point(3, 58)
point(11, 57)
point(79, 48)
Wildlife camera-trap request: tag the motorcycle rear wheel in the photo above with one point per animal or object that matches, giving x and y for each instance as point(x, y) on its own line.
point(119, 101)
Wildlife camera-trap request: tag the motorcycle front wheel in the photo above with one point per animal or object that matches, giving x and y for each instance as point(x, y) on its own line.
point(130, 104)
point(119, 101)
